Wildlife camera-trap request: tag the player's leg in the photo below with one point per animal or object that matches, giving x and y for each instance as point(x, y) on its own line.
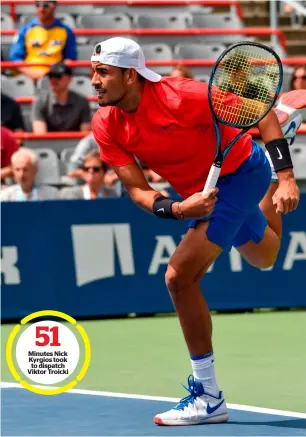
point(238, 196)
point(192, 258)
point(290, 111)
point(266, 205)
point(263, 253)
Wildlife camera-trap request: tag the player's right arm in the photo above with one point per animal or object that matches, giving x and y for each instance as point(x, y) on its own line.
point(137, 186)
point(195, 206)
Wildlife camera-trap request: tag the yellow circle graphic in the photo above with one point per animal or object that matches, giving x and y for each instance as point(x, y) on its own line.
point(43, 391)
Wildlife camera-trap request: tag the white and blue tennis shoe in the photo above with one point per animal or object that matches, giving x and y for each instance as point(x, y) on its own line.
point(197, 408)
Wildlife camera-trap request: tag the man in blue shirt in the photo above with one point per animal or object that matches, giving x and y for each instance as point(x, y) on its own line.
point(44, 39)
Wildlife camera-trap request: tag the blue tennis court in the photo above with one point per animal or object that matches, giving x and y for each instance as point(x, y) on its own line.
point(80, 413)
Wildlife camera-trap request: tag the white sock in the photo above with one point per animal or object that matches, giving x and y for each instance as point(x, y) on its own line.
point(203, 367)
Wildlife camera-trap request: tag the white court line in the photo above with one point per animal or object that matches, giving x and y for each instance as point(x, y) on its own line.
point(163, 399)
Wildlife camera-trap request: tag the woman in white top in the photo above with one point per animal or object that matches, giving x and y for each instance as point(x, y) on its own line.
point(93, 173)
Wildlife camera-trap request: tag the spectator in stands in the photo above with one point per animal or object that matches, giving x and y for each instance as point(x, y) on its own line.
point(60, 109)
point(298, 81)
point(75, 164)
point(44, 39)
point(94, 176)
point(181, 71)
point(25, 166)
point(9, 146)
point(11, 116)
point(86, 145)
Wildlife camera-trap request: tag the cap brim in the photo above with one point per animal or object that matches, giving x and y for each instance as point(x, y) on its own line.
point(149, 74)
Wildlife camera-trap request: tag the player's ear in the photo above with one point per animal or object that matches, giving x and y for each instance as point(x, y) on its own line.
point(132, 76)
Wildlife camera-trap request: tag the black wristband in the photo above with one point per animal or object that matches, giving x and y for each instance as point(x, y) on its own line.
point(162, 207)
point(279, 154)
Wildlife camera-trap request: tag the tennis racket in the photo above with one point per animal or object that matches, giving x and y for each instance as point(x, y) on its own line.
point(243, 87)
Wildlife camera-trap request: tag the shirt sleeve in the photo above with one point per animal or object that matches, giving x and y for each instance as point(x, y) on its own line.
point(37, 110)
point(18, 49)
point(70, 49)
point(110, 151)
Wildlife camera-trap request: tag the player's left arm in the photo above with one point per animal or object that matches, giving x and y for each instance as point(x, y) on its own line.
point(286, 197)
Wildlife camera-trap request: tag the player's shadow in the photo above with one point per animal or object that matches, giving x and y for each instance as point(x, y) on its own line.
point(288, 423)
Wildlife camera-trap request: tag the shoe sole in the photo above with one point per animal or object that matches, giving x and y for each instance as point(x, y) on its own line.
point(293, 101)
point(221, 418)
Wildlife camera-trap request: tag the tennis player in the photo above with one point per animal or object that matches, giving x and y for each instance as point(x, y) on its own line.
point(167, 124)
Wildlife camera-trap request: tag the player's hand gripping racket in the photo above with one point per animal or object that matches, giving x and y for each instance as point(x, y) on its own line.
point(243, 87)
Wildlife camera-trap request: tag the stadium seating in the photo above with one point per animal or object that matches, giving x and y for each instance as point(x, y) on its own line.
point(198, 51)
point(5, 50)
point(18, 86)
point(72, 9)
point(178, 21)
point(64, 17)
point(84, 53)
point(158, 52)
point(80, 84)
point(107, 21)
point(55, 145)
point(219, 21)
point(6, 22)
point(5, 9)
point(48, 165)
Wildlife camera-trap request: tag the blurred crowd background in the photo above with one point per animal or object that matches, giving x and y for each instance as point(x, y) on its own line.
point(58, 98)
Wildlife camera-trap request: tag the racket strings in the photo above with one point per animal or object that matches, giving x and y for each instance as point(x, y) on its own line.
point(244, 85)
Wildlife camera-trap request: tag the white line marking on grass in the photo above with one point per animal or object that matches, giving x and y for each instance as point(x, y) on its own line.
point(162, 399)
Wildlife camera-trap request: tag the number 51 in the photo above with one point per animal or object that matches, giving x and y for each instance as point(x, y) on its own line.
point(41, 332)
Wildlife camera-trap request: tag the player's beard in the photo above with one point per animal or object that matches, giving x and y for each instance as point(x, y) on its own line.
point(111, 102)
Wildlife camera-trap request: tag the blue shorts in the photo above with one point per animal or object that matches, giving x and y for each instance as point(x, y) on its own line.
point(237, 218)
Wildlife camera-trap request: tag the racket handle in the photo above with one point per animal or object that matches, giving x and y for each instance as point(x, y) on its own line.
point(212, 178)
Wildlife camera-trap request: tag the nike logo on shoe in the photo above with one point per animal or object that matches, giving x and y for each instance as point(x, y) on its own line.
point(211, 410)
point(292, 125)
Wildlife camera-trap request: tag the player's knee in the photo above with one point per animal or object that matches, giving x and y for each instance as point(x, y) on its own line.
point(268, 259)
point(176, 280)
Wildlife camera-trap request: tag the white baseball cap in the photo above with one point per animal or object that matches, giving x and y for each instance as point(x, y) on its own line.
point(123, 53)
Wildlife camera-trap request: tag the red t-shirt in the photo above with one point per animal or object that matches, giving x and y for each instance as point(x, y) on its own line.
point(172, 132)
point(9, 146)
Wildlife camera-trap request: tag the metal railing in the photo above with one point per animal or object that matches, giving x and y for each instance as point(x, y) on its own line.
point(150, 63)
point(155, 3)
point(252, 31)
